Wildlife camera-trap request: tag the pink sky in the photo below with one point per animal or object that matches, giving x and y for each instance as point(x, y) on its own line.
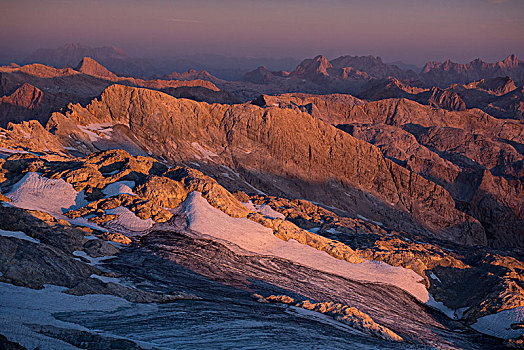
point(410, 30)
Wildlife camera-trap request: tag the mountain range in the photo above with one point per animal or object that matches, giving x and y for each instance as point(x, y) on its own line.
point(367, 205)
point(120, 62)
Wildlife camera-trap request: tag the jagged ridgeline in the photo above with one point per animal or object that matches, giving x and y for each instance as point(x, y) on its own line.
point(390, 219)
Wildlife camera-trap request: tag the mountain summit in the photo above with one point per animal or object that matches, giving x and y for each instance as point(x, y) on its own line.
point(91, 67)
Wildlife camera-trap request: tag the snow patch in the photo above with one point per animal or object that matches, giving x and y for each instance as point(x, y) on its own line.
point(93, 137)
point(20, 306)
point(8, 152)
point(53, 196)
point(254, 188)
point(499, 324)
point(250, 206)
point(106, 279)
point(84, 222)
point(92, 261)
point(441, 307)
point(19, 235)
point(255, 238)
point(265, 210)
point(104, 128)
point(127, 221)
point(204, 152)
point(119, 187)
point(433, 276)
point(230, 170)
point(459, 313)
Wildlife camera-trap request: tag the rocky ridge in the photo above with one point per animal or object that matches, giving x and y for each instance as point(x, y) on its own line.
point(70, 54)
point(34, 91)
point(499, 97)
point(343, 313)
point(271, 147)
point(448, 72)
point(446, 147)
point(369, 76)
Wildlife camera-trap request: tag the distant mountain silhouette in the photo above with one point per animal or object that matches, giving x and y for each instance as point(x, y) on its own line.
point(115, 59)
point(448, 72)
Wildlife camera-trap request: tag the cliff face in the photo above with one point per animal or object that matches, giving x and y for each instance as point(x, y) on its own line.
point(458, 150)
point(280, 143)
point(446, 99)
point(287, 145)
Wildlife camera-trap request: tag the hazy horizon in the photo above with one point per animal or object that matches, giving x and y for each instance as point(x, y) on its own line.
point(405, 30)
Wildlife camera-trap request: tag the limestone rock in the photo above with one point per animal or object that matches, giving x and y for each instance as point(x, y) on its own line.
point(349, 315)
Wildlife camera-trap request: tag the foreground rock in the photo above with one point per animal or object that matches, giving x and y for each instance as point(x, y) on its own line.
point(159, 189)
point(349, 315)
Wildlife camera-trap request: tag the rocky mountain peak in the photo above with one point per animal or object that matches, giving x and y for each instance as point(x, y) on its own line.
point(446, 99)
point(261, 75)
point(26, 95)
point(91, 67)
point(27, 90)
point(315, 66)
point(511, 61)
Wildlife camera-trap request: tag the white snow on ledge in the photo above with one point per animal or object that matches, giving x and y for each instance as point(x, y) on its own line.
point(92, 261)
point(19, 235)
point(255, 238)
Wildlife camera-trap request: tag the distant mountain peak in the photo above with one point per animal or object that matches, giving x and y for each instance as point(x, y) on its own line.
point(511, 60)
point(91, 67)
point(68, 55)
point(316, 66)
point(261, 75)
